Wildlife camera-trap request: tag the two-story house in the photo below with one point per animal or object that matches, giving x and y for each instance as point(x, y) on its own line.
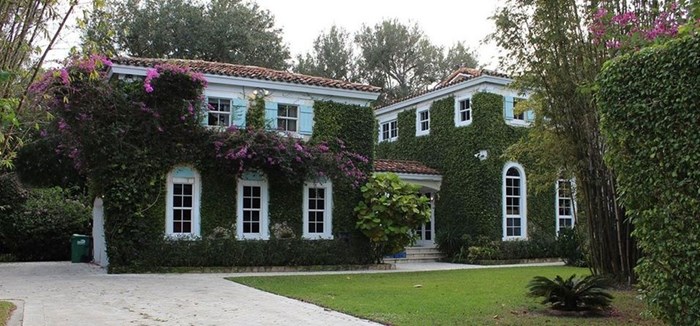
point(461, 128)
point(256, 206)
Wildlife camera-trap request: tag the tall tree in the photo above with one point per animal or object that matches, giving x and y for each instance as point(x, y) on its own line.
point(23, 26)
point(458, 56)
point(222, 30)
point(553, 53)
point(400, 58)
point(332, 56)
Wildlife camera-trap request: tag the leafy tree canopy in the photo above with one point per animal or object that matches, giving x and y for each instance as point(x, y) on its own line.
point(222, 31)
point(332, 56)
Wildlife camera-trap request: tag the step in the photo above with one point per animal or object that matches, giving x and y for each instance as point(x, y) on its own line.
point(409, 260)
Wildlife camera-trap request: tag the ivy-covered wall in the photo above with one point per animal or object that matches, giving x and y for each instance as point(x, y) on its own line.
point(218, 247)
point(126, 136)
point(469, 203)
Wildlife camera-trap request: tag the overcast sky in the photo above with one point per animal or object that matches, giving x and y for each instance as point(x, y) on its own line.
point(444, 21)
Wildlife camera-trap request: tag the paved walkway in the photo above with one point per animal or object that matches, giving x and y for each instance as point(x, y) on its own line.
point(61, 293)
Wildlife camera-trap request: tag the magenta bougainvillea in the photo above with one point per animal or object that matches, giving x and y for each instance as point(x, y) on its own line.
point(165, 110)
point(627, 31)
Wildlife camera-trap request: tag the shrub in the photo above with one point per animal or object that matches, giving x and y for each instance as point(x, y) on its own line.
point(42, 227)
point(572, 294)
point(571, 250)
point(390, 212)
point(507, 250)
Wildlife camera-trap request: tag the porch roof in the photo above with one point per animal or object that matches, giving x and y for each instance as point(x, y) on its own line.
point(402, 166)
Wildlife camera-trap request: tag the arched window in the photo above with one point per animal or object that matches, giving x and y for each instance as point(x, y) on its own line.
point(182, 203)
point(514, 202)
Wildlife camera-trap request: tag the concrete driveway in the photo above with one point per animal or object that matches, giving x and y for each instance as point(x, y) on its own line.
point(61, 293)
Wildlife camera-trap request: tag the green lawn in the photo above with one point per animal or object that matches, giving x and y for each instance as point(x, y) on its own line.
point(6, 309)
point(473, 297)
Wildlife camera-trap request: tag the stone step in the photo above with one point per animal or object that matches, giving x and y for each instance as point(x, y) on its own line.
point(422, 250)
point(409, 260)
point(435, 255)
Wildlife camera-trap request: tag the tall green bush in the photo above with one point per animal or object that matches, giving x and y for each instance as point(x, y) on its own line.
point(649, 109)
point(41, 228)
point(389, 213)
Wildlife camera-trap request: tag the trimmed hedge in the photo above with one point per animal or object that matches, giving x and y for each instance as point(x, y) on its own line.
point(469, 203)
point(648, 103)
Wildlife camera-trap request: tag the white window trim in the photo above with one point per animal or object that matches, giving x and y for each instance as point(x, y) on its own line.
point(264, 217)
point(458, 112)
point(296, 119)
point(556, 204)
point(420, 132)
point(197, 191)
point(229, 113)
point(523, 202)
point(327, 214)
point(381, 131)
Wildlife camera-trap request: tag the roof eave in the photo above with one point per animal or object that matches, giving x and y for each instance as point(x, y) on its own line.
point(484, 79)
point(259, 83)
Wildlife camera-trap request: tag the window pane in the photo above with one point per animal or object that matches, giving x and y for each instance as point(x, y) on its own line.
point(186, 215)
point(177, 201)
point(247, 191)
point(187, 201)
point(256, 203)
point(513, 172)
point(256, 191)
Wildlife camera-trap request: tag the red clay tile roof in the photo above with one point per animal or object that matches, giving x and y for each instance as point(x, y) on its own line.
point(400, 166)
point(456, 77)
point(252, 72)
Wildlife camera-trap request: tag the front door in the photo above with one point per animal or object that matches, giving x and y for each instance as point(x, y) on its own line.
point(426, 232)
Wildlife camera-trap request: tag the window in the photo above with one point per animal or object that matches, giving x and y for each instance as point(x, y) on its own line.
point(423, 125)
point(252, 219)
point(318, 203)
point(389, 131)
point(517, 116)
point(565, 204)
point(514, 202)
point(182, 211)
point(287, 117)
point(463, 112)
point(219, 112)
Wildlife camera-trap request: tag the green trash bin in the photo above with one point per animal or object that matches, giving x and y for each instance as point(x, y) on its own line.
point(80, 248)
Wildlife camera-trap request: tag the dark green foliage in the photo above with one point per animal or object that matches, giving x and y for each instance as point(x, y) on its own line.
point(508, 250)
point(572, 294)
point(42, 164)
point(649, 107)
point(41, 228)
point(12, 193)
point(221, 30)
point(469, 202)
point(164, 253)
point(256, 112)
point(390, 212)
point(570, 243)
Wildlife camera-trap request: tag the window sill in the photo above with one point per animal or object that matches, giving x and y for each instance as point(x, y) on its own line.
point(423, 133)
point(183, 236)
point(518, 123)
point(463, 123)
point(317, 237)
point(514, 238)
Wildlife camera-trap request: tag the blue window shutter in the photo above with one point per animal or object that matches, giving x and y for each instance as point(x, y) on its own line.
point(306, 119)
point(271, 114)
point(530, 115)
point(508, 108)
point(238, 112)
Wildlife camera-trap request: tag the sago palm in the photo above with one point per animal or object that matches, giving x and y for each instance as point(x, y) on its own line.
point(572, 294)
